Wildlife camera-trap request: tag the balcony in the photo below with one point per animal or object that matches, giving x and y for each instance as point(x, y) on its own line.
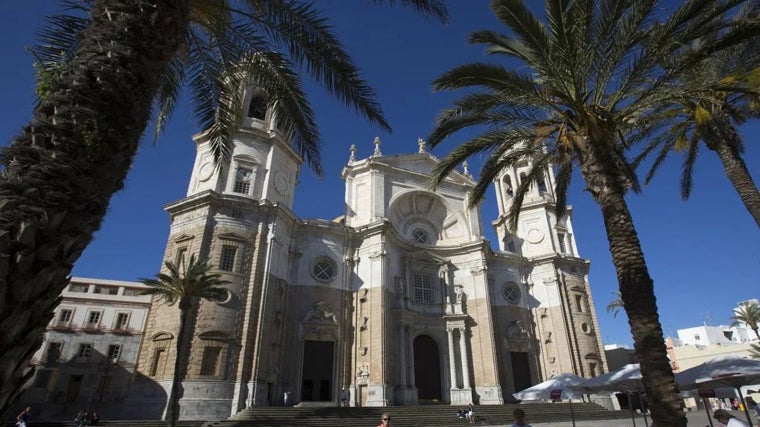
point(122, 330)
point(62, 325)
point(92, 327)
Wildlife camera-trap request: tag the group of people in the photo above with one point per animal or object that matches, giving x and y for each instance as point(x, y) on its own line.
point(724, 417)
point(84, 418)
point(469, 413)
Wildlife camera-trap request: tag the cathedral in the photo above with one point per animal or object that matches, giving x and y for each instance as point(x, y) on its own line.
point(399, 301)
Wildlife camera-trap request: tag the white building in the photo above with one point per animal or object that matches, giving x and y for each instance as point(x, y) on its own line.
point(89, 350)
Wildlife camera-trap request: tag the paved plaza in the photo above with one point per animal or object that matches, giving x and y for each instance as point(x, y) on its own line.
point(695, 419)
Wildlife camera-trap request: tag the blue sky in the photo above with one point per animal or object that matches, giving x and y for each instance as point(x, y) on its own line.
point(704, 254)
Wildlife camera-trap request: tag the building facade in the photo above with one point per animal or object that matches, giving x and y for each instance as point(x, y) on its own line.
point(89, 351)
point(399, 301)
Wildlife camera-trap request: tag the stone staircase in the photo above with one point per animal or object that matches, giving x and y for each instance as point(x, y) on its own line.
point(413, 416)
point(402, 416)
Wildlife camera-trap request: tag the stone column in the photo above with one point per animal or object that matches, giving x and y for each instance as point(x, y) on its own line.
point(463, 353)
point(402, 356)
point(411, 363)
point(452, 359)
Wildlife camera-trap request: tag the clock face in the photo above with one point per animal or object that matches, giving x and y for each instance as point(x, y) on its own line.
point(281, 182)
point(535, 236)
point(206, 171)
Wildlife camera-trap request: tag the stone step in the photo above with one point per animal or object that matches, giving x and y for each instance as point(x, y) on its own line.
point(402, 416)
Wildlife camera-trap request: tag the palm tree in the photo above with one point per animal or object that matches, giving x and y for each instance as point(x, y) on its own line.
point(582, 86)
point(185, 286)
point(720, 93)
point(755, 351)
point(616, 304)
point(748, 314)
point(101, 78)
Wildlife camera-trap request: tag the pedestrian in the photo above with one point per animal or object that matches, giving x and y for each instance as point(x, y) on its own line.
point(343, 397)
point(519, 416)
point(728, 420)
point(753, 407)
point(94, 418)
point(385, 420)
point(471, 413)
point(23, 418)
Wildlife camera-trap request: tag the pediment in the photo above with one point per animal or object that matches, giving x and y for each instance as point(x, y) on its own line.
point(183, 238)
point(423, 164)
point(161, 336)
point(214, 336)
point(232, 236)
point(426, 256)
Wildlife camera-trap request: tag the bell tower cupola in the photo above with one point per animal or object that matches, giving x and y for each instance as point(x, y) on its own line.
point(260, 165)
point(539, 232)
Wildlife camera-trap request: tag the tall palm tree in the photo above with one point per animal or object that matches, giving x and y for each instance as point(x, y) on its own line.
point(748, 314)
point(720, 93)
point(184, 286)
point(616, 304)
point(582, 85)
point(101, 79)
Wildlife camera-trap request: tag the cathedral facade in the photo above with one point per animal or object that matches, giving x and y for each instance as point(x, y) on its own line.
point(399, 301)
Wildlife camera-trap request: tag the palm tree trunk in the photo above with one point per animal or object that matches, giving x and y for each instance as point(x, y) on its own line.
point(726, 148)
point(601, 171)
point(179, 365)
point(58, 176)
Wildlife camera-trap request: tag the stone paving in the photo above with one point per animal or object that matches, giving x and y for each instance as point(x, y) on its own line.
point(696, 418)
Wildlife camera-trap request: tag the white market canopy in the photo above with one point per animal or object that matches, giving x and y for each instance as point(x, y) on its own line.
point(553, 388)
point(625, 379)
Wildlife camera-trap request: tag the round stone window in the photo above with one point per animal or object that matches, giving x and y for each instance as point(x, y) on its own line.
point(512, 293)
point(420, 236)
point(323, 269)
point(586, 328)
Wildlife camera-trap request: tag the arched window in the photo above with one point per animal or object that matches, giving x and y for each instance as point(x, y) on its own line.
point(257, 108)
point(508, 190)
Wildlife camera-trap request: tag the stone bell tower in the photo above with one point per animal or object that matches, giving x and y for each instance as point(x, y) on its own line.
point(229, 216)
point(564, 319)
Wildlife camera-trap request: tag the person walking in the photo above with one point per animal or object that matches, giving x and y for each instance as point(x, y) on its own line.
point(22, 420)
point(728, 420)
point(519, 416)
point(385, 420)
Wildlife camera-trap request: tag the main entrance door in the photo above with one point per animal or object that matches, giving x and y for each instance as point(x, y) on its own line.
point(520, 370)
point(427, 369)
point(317, 371)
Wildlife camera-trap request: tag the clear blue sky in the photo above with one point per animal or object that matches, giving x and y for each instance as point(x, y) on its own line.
point(704, 254)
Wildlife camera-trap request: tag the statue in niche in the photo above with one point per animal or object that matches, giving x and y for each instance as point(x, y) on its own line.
point(459, 292)
point(363, 371)
point(322, 312)
point(516, 330)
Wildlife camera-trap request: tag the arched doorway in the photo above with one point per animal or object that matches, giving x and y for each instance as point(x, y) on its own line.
point(316, 385)
point(427, 370)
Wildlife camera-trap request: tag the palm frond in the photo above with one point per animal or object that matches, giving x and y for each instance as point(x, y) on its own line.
point(433, 8)
point(311, 43)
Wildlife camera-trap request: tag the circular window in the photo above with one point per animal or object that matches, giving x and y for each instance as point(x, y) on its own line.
point(586, 328)
point(323, 269)
point(512, 293)
point(420, 236)
point(224, 299)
